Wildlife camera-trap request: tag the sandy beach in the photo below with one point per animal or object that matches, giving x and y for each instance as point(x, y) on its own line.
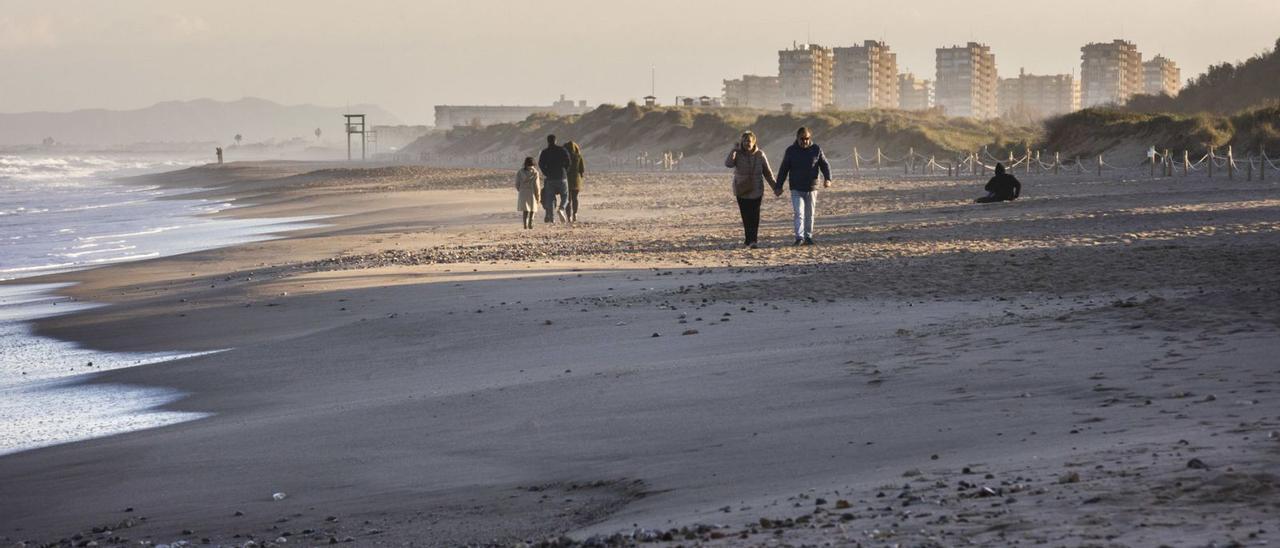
point(1093, 364)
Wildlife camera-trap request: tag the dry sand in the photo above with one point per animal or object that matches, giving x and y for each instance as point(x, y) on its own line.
point(1091, 365)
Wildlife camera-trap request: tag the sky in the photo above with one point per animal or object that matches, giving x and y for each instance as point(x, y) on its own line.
point(409, 55)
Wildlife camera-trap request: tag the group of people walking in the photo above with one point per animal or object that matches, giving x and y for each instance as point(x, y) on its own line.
point(564, 170)
point(802, 164)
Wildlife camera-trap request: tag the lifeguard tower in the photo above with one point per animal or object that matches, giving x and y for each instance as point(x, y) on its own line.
point(355, 125)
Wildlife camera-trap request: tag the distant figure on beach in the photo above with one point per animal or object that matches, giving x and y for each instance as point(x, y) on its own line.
point(1001, 188)
point(577, 170)
point(802, 163)
point(554, 163)
point(218, 151)
point(528, 187)
point(750, 172)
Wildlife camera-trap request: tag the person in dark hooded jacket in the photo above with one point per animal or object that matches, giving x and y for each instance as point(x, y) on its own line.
point(1001, 188)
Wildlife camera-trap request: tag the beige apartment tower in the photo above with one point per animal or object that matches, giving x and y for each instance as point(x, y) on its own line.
point(1110, 73)
point(1161, 76)
point(804, 75)
point(1038, 97)
point(750, 91)
point(966, 82)
point(865, 76)
point(914, 93)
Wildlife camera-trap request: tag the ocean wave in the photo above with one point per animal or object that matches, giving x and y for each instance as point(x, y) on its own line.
point(75, 254)
point(146, 232)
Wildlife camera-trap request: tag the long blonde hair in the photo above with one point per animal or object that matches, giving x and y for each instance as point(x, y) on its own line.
point(574, 149)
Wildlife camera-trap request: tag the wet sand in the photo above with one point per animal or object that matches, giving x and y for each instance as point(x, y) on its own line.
point(935, 372)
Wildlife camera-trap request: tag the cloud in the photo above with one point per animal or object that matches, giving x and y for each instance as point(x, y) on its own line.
point(29, 33)
point(179, 27)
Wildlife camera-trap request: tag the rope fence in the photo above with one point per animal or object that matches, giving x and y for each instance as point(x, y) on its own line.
point(1156, 163)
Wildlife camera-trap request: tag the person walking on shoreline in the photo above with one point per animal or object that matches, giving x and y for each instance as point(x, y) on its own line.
point(554, 163)
point(528, 186)
point(1004, 187)
point(750, 172)
point(802, 163)
point(577, 170)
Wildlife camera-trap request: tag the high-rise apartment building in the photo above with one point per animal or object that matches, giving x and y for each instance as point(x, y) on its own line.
point(914, 93)
point(865, 76)
point(762, 92)
point(1110, 73)
point(1161, 75)
point(967, 81)
point(804, 74)
point(1038, 97)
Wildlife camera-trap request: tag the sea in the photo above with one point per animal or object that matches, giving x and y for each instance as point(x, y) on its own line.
point(70, 212)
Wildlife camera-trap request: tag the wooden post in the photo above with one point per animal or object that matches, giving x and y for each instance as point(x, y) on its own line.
point(1210, 162)
point(1249, 172)
point(1056, 162)
point(1028, 159)
point(1099, 165)
point(878, 155)
point(1039, 164)
point(1168, 164)
point(857, 164)
point(1186, 162)
point(910, 160)
point(1262, 163)
point(1153, 161)
point(931, 165)
point(1231, 164)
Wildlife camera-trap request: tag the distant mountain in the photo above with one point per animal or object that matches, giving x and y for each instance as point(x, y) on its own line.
point(1223, 89)
point(200, 120)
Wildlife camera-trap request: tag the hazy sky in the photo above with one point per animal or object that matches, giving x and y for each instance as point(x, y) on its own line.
point(408, 55)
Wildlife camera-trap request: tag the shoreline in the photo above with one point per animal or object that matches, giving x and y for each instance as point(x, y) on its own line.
point(417, 358)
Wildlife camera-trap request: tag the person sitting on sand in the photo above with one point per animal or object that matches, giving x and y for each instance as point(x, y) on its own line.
point(577, 169)
point(1001, 188)
point(750, 171)
point(802, 163)
point(554, 163)
point(528, 187)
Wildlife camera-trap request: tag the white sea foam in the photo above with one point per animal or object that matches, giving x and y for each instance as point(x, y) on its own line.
point(85, 220)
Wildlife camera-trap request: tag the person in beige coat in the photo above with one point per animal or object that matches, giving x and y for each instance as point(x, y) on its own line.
point(750, 172)
point(528, 189)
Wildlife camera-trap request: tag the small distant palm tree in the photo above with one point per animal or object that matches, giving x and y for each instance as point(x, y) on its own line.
point(239, 138)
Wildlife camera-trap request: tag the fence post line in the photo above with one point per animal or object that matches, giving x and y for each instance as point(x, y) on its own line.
point(877, 158)
point(1211, 155)
point(1262, 162)
point(1028, 158)
point(1231, 164)
point(1249, 172)
point(1186, 162)
point(1153, 161)
point(1168, 164)
point(857, 164)
point(1057, 162)
point(1099, 165)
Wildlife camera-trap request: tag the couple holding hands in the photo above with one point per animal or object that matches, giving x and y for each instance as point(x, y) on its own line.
point(802, 163)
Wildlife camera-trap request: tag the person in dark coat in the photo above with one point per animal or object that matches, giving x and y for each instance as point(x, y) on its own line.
point(802, 163)
point(1001, 188)
point(554, 162)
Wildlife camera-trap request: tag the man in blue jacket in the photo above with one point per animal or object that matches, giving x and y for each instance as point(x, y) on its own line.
point(802, 163)
point(554, 164)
